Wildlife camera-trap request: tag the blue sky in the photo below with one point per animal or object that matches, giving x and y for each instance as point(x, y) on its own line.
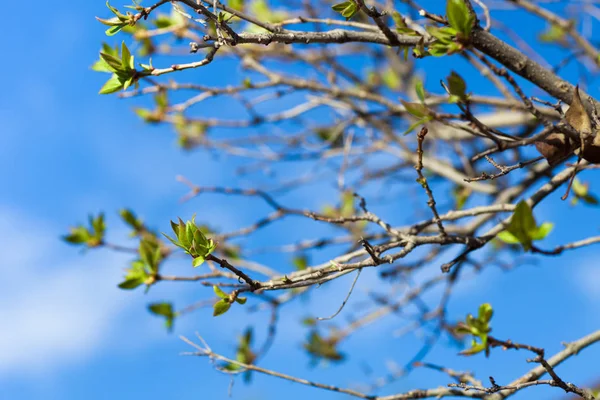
point(70, 333)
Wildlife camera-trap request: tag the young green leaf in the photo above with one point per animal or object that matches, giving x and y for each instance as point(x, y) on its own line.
point(420, 90)
point(542, 231)
point(165, 310)
point(347, 9)
point(112, 85)
point(459, 16)
point(126, 58)
point(113, 62)
point(300, 262)
point(220, 292)
point(416, 109)
point(132, 283)
point(221, 307)
point(241, 300)
point(198, 261)
point(523, 229)
point(485, 312)
point(457, 86)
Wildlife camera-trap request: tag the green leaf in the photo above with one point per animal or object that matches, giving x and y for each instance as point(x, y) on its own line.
point(146, 252)
point(457, 85)
point(554, 33)
point(164, 310)
point(221, 307)
point(101, 66)
point(112, 9)
point(112, 61)
point(419, 122)
point(175, 242)
point(161, 100)
point(390, 79)
point(126, 58)
point(462, 329)
point(590, 199)
point(459, 16)
point(438, 49)
point(508, 237)
point(416, 109)
point(112, 22)
point(113, 30)
point(131, 283)
point(485, 312)
point(542, 231)
point(420, 90)
point(220, 292)
point(198, 261)
point(340, 6)
point(347, 9)
point(476, 348)
point(78, 235)
point(522, 224)
point(131, 219)
point(241, 300)
point(300, 262)
point(444, 35)
point(112, 85)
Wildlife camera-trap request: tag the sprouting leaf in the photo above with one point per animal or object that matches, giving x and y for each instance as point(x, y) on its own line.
point(581, 192)
point(113, 62)
point(478, 328)
point(241, 300)
point(474, 349)
point(198, 261)
point(112, 85)
point(192, 240)
point(420, 90)
point(126, 58)
point(300, 262)
point(91, 236)
point(220, 292)
point(131, 283)
point(457, 86)
point(390, 79)
point(323, 348)
point(508, 237)
point(78, 235)
point(416, 124)
point(165, 310)
point(416, 109)
point(523, 229)
point(485, 312)
point(113, 30)
point(347, 9)
point(459, 16)
point(542, 231)
point(554, 34)
point(221, 307)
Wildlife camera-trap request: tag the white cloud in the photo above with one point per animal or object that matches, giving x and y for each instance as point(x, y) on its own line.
point(587, 279)
point(56, 310)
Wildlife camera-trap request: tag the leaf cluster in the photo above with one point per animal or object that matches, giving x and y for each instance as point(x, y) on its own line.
point(479, 328)
point(523, 229)
point(90, 236)
point(224, 304)
point(192, 240)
